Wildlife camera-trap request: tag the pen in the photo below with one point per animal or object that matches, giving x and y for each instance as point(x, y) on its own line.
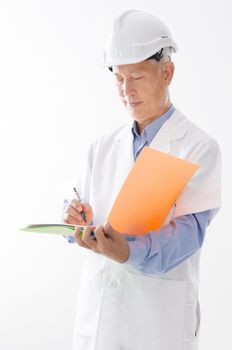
point(79, 200)
point(82, 214)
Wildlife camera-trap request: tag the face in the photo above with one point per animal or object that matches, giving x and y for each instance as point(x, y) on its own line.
point(143, 88)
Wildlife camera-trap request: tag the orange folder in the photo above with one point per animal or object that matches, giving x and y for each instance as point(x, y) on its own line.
point(149, 192)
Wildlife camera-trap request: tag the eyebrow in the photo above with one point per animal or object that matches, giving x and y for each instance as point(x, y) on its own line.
point(131, 72)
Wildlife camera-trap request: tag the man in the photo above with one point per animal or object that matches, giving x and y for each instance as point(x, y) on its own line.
point(143, 294)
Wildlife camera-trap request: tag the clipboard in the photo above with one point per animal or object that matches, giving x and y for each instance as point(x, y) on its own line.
point(149, 191)
point(60, 229)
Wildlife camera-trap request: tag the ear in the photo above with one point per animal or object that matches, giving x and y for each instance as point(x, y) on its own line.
point(168, 72)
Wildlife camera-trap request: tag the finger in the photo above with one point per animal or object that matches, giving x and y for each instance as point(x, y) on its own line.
point(76, 204)
point(78, 238)
point(87, 208)
point(69, 219)
point(84, 211)
point(71, 213)
point(81, 220)
point(102, 238)
point(88, 239)
point(109, 229)
point(111, 232)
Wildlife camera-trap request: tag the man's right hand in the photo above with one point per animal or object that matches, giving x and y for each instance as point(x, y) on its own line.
point(72, 213)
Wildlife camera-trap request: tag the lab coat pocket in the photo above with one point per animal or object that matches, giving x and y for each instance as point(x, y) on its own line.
point(152, 313)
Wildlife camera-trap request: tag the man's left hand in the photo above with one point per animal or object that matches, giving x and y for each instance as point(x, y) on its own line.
point(109, 242)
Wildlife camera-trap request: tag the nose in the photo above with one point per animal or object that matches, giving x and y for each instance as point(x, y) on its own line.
point(126, 89)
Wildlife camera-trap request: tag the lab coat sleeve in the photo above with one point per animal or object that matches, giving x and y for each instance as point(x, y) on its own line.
point(203, 191)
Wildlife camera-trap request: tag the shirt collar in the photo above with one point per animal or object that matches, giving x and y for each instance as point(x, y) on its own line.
point(152, 129)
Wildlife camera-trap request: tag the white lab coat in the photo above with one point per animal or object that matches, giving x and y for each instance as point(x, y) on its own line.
point(120, 308)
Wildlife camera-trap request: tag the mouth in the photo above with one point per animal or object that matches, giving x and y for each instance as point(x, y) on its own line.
point(133, 105)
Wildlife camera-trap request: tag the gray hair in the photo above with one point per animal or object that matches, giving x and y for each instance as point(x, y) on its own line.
point(163, 55)
point(167, 53)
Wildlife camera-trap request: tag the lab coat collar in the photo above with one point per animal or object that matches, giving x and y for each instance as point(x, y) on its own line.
point(173, 129)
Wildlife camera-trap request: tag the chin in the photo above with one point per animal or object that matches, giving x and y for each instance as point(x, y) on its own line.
point(139, 117)
point(136, 114)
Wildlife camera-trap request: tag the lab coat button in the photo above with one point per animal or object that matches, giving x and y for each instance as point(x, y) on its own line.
point(113, 285)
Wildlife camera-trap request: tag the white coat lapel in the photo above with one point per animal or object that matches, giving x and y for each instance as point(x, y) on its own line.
point(124, 159)
point(173, 129)
point(124, 147)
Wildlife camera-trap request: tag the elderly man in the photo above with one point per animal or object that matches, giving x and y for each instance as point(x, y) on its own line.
point(143, 294)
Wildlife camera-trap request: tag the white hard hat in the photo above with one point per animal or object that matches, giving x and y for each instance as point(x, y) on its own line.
point(136, 36)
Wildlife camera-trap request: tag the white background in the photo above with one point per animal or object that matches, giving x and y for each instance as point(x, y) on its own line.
point(55, 99)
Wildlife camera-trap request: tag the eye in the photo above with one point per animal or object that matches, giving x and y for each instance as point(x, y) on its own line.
point(137, 78)
point(119, 79)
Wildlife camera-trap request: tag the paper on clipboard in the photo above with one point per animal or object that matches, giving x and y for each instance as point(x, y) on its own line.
point(149, 191)
point(57, 229)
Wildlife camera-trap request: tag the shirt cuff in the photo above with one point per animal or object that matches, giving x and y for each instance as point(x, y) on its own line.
point(70, 239)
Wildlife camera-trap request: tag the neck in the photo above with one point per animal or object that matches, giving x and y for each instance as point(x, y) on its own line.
point(142, 125)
